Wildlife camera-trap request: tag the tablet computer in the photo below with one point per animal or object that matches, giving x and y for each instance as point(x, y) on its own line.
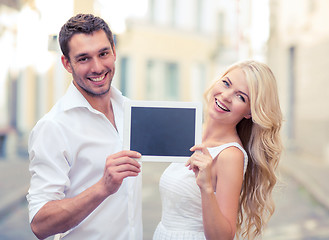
point(162, 131)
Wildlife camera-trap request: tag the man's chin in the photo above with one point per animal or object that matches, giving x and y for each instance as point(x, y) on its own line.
point(100, 93)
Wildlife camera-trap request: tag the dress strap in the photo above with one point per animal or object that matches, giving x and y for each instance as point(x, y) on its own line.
point(214, 151)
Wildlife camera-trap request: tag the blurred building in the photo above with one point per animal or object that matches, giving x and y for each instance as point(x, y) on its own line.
point(30, 80)
point(170, 52)
point(179, 46)
point(297, 52)
point(8, 42)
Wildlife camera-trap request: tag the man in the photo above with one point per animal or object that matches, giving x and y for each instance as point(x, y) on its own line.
point(83, 185)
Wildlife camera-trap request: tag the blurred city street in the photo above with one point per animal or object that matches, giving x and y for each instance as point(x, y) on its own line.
point(301, 213)
point(172, 51)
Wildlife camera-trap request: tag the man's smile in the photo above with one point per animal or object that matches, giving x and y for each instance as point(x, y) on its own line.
point(98, 79)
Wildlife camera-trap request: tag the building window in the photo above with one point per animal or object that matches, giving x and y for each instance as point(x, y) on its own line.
point(198, 16)
point(173, 13)
point(149, 76)
point(124, 75)
point(152, 10)
point(154, 80)
point(171, 81)
point(220, 28)
point(162, 80)
point(198, 81)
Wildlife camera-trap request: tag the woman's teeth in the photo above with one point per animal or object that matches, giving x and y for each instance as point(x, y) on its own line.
point(221, 106)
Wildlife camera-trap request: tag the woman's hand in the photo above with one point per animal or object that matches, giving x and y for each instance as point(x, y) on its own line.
point(201, 163)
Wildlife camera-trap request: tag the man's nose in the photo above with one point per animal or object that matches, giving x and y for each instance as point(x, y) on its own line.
point(97, 66)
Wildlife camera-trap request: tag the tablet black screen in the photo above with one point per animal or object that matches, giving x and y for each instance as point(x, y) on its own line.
point(160, 131)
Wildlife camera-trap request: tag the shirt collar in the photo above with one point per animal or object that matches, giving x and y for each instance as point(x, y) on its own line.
point(75, 99)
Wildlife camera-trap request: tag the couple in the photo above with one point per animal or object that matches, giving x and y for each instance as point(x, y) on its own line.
point(83, 186)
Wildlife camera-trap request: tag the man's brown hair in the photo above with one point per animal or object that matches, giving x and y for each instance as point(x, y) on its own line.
point(82, 23)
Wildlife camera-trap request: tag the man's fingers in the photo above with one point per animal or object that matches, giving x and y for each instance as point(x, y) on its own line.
point(127, 168)
point(122, 159)
point(126, 153)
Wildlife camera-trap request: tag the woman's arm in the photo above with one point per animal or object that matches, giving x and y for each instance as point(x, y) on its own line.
point(225, 175)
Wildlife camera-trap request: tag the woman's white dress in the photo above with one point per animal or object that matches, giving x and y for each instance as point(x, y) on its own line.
point(181, 201)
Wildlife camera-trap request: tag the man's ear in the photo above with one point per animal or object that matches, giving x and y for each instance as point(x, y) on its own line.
point(66, 63)
point(114, 53)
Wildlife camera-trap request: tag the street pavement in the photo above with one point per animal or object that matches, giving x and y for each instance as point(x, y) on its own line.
point(14, 177)
point(308, 171)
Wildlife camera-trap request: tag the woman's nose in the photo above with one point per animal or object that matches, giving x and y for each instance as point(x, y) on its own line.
point(227, 95)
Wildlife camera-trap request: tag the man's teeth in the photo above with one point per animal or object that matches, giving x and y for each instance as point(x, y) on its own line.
point(221, 106)
point(97, 79)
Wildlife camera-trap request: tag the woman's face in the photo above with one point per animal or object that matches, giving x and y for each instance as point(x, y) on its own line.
point(229, 100)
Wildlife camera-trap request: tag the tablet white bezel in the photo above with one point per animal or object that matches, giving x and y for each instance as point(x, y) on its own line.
point(162, 104)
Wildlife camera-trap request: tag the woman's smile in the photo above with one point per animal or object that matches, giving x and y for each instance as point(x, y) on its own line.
point(221, 105)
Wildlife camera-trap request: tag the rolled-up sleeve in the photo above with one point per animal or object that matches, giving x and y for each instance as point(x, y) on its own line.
point(49, 165)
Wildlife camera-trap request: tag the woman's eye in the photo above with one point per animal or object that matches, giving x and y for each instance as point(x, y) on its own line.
point(226, 83)
point(242, 98)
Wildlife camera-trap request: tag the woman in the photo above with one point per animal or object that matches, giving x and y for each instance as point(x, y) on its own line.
point(224, 189)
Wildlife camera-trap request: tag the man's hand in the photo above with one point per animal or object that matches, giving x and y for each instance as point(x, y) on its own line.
point(61, 215)
point(119, 166)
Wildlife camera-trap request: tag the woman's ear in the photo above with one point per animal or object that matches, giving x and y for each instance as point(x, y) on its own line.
point(248, 116)
point(66, 63)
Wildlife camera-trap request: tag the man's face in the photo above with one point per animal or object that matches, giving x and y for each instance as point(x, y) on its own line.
point(91, 63)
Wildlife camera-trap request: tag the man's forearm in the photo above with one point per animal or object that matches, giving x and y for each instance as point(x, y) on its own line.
point(59, 216)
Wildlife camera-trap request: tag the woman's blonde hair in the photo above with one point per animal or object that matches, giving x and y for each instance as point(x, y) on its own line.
point(260, 136)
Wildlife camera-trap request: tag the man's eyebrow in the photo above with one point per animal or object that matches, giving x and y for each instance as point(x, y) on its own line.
point(105, 49)
point(80, 55)
point(86, 54)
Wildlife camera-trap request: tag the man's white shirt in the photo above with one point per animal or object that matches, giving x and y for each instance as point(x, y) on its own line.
point(68, 148)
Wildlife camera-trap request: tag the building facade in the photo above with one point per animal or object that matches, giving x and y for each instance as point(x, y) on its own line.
point(297, 52)
point(170, 52)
